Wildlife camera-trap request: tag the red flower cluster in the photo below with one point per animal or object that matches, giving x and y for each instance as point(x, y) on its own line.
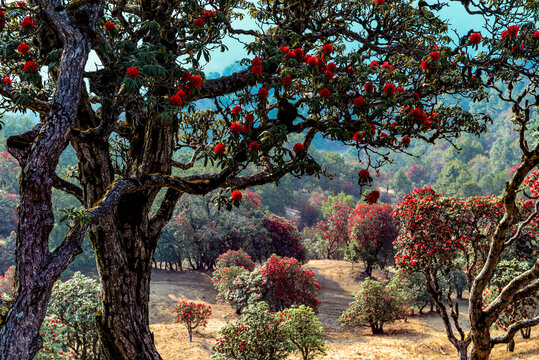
point(175, 100)
point(327, 49)
point(250, 118)
point(256, 69)
point(512, 31)
point(406, 140)
point(236, 110)
point(235, 258)
point(358, 136)
point(325, 93)
point(2, 18)
point(236, 195)
point(359, 102)
point(28, 23)
point(195, 81)
point(132, 73)
point(373, 197)
point(388, 66)
point(368, 87)
point(219, 149)
point(379, 2)
point(389, 89)
point(253, 146)
point(110, 26)
point(235, 128)
point(23, 48)
point(535, 35)
point(199, 22)
point(30, 67)
point(435, 55)
point(209, 13)
point(364, 174)
point(475, 38)
point(263, 93)
point(7, 80)
point(298, 148)
point(287, 80)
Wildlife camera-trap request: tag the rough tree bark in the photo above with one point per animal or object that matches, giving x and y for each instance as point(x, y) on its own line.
point(38, 152)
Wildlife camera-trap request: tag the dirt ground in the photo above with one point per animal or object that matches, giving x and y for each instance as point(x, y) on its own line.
point(420, 337)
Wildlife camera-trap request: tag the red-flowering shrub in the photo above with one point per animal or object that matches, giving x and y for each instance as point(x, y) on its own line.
point(235, 258)
point(289, 284)
point(192, 315)
point(335, 230)
point(375, 305)
point(283, 238)
point(7, 287)
point(372, 230)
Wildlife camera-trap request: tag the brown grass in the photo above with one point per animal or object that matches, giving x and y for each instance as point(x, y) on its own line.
point(421, 337)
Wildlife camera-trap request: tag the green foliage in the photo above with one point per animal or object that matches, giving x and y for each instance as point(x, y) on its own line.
point(411, 288)
point(71, 317)
point(258, 335)
point(327, 207)
point(304, 331)
point(375, 305)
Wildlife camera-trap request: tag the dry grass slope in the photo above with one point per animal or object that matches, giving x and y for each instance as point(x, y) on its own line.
point(420, 338)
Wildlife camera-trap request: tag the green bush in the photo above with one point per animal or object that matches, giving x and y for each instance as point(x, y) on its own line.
point(257, 335)
point(304, 331)
point(235, 258)
point(375, 305)
point(70, 316)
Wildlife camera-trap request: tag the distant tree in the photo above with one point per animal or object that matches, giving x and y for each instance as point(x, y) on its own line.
point(372, 231)
point(401, 183)
point(334, 232)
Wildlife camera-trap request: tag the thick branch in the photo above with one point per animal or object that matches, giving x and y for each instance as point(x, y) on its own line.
point(67, 187)
point(511, 331)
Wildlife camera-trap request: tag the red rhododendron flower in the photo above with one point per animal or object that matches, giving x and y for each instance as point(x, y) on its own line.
point(209, 13)
point(21, 3)
point(379, 2)
point(373, 197)
point(328, 75)
point(475, 38)
point(389, 88)
point(312, 61)
point(256, 61)
point(236, 110)
point(30, 67)
point(401, 90)
point(256, 69)
point(374, 63)
point(387, 65)
point(298, 53)
point(364, 174)
point(250, 118)
point(358, 136)
point(132, 72)
point(327, 49)
point(196, 81)
point(435, 55)
point(109, 26)
point(284, 49)
point(263, 92)
point(369, 87)
point(253, 146)
point(287, 80)
point(325, 93)
point(219, 149)
point(245, 128)
point(425, 65)
point(236, 195)
point(394, 123)
point(536, 35)
point(359, 102)
point(406, 140)
point(175, 100)
point(2, 18)
point(23, 48)
point(298, 148)
point(235, 128)
point(199, 22)
point(416, 96)
point(28, 23)
point(7, 80)
point(182, 94)
point(373, 129)
point(513, 30)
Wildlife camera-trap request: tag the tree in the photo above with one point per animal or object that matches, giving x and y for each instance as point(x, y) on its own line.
point(372, 230)
point(140, 108)
point(375, 304)
point(192, 315)
point(283, 238)
point(304, 331)
point(335, 230)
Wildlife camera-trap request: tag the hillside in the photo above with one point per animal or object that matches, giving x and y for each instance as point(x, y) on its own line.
point(421, 337)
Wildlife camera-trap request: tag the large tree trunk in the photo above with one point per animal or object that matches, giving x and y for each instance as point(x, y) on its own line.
point(36, 268)
point(123, 322)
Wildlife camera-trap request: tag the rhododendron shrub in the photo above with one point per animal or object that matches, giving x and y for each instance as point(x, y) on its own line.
point(71, 320)
point(7, 286)
point(258, 335)
point(283, 238)
point(335, 230)
point(372, 231)
point(9, 168)
point(235, 258)
point(281, 282)
point(192, 315)
point(375, 304)
point(305, 331)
